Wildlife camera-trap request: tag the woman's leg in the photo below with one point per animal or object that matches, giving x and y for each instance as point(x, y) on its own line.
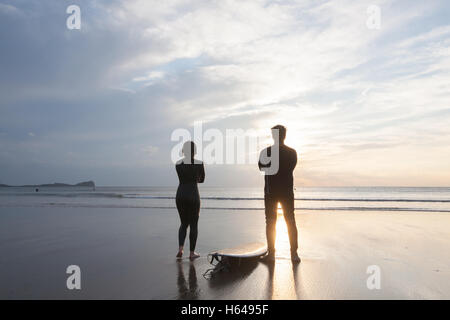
point(182, 231)
point(193, 229)
point(193, 232)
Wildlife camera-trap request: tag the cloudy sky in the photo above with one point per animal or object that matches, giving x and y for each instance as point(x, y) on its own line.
point(363, 105)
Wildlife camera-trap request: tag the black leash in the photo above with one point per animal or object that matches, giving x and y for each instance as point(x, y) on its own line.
point(219, 264)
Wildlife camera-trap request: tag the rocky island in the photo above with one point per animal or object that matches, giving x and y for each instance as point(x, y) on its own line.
point(89, 183)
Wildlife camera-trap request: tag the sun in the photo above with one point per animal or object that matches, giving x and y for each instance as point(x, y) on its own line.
point(296, 137)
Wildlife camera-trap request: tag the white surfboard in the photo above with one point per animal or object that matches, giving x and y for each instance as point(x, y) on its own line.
point(250, 250)
point(238, 256)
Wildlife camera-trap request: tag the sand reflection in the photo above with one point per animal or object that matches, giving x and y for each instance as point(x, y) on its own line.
point(187, 289)
point(282, 273)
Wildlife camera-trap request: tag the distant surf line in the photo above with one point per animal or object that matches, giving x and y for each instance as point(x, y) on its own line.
point(118, 206)
point(139, 196)
point(297, 199)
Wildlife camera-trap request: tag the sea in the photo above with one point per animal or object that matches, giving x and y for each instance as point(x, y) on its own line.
point(307, 199)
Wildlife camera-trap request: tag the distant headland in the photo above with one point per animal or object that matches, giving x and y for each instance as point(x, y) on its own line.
point(90, 184)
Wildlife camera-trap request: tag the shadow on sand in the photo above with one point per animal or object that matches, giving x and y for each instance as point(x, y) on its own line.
point(281, 281)
point(237, 271)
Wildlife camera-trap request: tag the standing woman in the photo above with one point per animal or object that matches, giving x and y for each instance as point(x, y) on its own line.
point(190, 172)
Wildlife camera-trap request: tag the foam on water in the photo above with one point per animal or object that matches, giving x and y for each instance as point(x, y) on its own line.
point(317, 199)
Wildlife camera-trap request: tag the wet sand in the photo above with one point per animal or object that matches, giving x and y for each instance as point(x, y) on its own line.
point(130, 254)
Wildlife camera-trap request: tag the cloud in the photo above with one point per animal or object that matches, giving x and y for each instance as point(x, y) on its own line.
point(150, 150)
point(109, 95)
point(152, 75)
point(9, 9)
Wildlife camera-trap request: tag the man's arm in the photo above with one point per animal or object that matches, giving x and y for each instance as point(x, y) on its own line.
point(293, 161)
point(201, 176)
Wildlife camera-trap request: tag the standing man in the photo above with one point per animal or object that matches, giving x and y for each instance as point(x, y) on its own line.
point(278, 162)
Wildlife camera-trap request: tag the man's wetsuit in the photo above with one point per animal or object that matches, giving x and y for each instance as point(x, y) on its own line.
point(278, 188)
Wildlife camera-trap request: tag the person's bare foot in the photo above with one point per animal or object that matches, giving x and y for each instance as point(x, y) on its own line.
point(180, 254)
point(295, 258)
point(269, 257)
point(194, 255)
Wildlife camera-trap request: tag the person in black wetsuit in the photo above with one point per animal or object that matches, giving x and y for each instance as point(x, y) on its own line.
point(278, 188)
point(190, 172)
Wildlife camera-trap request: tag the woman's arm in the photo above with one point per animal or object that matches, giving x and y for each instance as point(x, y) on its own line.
point(201, 174)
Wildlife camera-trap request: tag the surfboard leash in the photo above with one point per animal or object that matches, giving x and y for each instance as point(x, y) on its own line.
point(219, 265)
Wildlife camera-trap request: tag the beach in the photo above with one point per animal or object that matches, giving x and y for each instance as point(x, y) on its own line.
point(121, 120)
point(129, 253)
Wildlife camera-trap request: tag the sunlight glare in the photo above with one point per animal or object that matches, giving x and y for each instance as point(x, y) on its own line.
point(282, 238)
point(284, 285)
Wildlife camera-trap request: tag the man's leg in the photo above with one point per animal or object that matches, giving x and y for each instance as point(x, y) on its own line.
point(270, 204)
point(287, 203)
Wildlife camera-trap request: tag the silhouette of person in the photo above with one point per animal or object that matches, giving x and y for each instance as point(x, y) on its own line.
point(278, 188)
point(190, 172)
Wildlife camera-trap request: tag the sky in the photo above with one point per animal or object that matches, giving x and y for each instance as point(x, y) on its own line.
point(364, 104)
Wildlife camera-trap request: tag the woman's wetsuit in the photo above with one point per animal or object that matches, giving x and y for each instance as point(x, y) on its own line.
point(188, 199)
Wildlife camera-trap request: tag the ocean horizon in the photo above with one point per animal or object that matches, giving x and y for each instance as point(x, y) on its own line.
point(415, 199)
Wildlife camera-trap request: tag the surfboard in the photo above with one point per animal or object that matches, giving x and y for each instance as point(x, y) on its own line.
point(234, 258)
point(250, 250)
